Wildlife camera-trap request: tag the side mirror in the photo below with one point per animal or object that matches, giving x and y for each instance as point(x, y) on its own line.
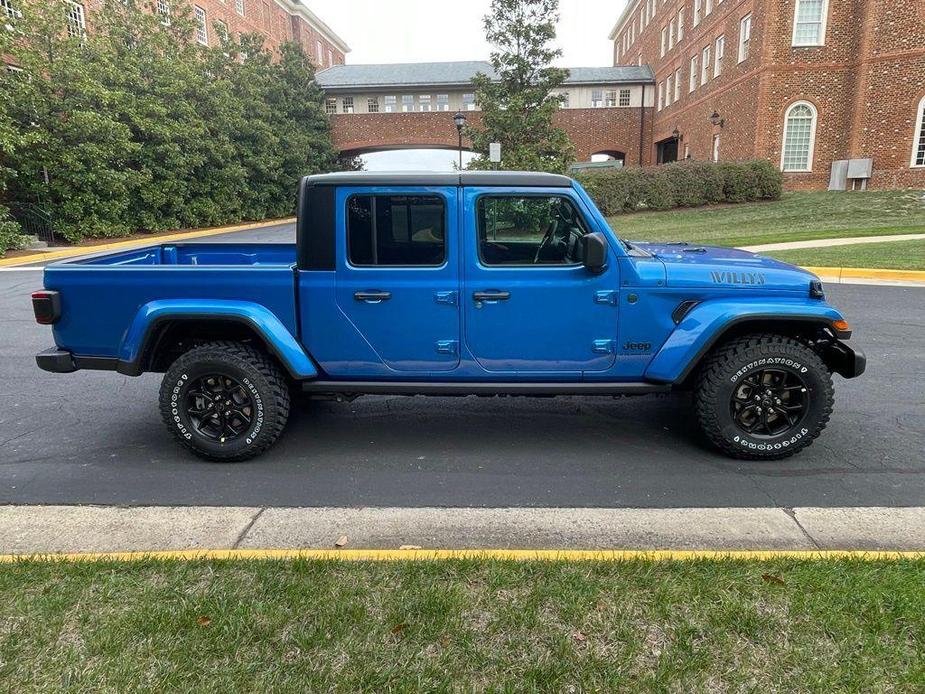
point(594, 252)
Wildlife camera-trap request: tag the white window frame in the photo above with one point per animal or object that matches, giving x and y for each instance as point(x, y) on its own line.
point(330, 105)
point(661, 95)
point(202, 25)
point(823, 22)
point(693, 79)
point(719, 52)
point(610, 98)
point(669, 89)
point(407, 103)
point(221, 28)
point(664, 41)
point(425, 103)
point(716, 147)
point(677, 84)
point(680, 25)
point(9, 9)
point(239, 8)
point(597, 98)
point(76, 20)
point(443, 102)
point(705, 57)
point(698, 11)
point(672, 33)
point(162, 7)
point(469, 105)
point(625, 98)
point(390, 103)
point(707, 8)
point(745, 37)
point(812, 137)
point(347, 105)
point(372, 104)
point(319, 53)
point(918, 137)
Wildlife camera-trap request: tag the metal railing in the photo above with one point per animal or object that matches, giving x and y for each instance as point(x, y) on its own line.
point(34, 220)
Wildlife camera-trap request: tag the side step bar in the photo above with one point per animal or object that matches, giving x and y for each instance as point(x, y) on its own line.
point(469, 388)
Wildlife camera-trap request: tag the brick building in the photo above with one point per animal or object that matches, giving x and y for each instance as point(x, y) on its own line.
point(277, 20)
point(803, 83)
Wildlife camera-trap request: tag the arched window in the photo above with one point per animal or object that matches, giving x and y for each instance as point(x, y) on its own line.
point(799, 137)
point(918, 141)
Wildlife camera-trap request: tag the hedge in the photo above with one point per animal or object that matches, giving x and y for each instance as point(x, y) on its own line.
point(9, 231)
point(682, 184)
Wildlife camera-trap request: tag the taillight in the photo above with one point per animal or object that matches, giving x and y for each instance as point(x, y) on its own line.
point(47, 306)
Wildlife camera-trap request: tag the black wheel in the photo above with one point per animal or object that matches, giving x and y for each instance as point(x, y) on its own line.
point(763, 397)
point(225, 401)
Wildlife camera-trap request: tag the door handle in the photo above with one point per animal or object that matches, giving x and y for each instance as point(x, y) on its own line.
point(491, 295)
point(373, 297)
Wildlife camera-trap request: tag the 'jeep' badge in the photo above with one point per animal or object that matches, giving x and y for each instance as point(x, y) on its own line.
point(756, 278)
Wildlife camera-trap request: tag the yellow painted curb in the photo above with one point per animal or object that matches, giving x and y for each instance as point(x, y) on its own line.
point(484, 554)
point(138, 243)
point(863, 273)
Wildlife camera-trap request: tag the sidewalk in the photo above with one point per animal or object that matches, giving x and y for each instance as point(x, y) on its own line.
point(26, 530)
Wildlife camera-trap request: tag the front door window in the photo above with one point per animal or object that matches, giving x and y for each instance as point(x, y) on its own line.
point(529, 230)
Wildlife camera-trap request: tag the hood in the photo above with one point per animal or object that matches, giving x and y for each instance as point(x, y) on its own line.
point(688, 265)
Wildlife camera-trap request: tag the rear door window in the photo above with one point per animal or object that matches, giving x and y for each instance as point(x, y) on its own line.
point(396, 230)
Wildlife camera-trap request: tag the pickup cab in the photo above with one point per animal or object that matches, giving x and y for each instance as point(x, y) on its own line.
point(481, 283)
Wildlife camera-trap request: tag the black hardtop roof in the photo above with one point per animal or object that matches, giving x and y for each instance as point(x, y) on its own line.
point(463, 178)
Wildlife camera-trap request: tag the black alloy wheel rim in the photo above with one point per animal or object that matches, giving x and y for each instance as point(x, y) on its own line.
point(219, 408)
point(769, 402)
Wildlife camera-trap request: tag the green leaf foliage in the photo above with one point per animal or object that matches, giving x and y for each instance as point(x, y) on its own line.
point(518, 104)
point(682, 184)
point(135, 127)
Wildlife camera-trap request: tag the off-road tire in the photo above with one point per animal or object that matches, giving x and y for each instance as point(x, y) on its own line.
point(255, 370)
point(726, 368)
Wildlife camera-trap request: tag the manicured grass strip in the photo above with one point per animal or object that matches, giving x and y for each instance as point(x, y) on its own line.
point(891, 255)
point(782, 625)
point(795, 217)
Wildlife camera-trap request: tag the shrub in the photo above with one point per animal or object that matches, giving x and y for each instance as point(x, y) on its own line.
point(9, 231)
point(682, 184)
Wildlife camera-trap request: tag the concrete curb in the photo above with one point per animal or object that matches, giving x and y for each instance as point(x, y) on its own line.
point(827, 243)
point(137, 243)
point(860, 275)
point(219, 531)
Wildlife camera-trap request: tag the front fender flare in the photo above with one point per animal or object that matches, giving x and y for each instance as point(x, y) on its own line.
point(263, 321)
point(706, 323)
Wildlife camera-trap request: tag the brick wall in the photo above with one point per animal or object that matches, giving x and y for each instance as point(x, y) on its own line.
point(865, 83)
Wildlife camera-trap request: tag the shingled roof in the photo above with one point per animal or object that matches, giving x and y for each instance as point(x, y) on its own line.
point(457, 74)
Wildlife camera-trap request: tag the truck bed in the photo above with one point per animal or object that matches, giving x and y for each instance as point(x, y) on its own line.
point(102, 295)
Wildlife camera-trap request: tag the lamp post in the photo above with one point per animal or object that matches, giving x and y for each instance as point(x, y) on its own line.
point(460, 121)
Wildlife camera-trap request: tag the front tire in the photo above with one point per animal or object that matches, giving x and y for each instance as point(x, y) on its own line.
point(225, 401)
point(763, 397)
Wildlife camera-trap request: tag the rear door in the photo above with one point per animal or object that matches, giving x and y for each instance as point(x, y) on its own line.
point(530, 304)
point(397, 273)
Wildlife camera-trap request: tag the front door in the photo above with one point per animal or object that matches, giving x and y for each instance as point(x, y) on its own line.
point(530, 304)
point(397, 274)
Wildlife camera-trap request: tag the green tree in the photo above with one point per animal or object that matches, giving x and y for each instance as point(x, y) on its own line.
point(518, 102)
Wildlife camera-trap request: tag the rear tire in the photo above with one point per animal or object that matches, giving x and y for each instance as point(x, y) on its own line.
point(225, 401)
point(763, 397)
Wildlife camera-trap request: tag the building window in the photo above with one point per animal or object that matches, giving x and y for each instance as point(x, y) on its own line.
point(707, 7)
point(407, 103)
point(469, 102)
point(716, 148)
point(424, 103)
point(563, 99)
point(624, 97)
point(698, 11)
point(610, 98)
point(668, 90)
point(809, 17)
point(705, 66)
point(396, 230)
point(664, 41)
point(677, 84)
point(597, 98)
point(372, 104)
point(680, 24)
point(720, 53)
point(221, 29)
point(162, 7)
point(672, 33)
point(918, 142)
point(443, 102)
point(75, 20)
point(692, 81)
point(661, 95)
point(390, 103)
point(319, 54)
point(6, 6)
point(347, 104)
point(202, 31)
point(330, 105)
point(799, 137)
point(745, 36)
point(239, 7)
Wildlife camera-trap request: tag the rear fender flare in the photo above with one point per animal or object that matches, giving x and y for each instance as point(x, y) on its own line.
point(706, 324)
point(264, 322)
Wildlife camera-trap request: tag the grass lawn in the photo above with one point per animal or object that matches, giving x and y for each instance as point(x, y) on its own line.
point(463, 625)
point(795, 217)
point(892, 255)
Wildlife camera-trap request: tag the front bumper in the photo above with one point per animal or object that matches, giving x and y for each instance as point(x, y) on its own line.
point(846, 361)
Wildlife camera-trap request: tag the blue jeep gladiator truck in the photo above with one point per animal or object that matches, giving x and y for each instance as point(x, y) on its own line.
point(482, 283)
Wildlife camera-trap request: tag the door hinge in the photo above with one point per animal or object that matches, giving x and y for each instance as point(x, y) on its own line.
point(605, 296)
point(449, 298)
point(603, 347)
point(447, 347)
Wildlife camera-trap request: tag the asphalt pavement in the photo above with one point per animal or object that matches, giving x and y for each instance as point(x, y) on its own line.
point(96, 437)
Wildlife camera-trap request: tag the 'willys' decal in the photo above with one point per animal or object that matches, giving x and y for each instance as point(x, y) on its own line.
point(737, 277)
